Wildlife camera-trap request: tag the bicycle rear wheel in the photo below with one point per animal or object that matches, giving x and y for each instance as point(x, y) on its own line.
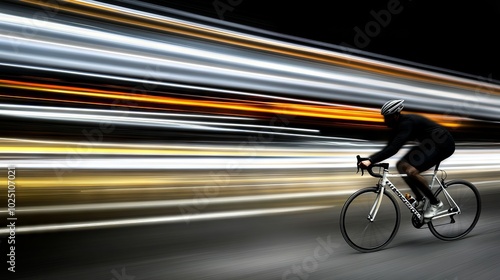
point(467, 197)
point(358, 231)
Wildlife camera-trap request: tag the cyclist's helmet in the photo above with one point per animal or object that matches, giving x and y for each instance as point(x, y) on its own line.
point(392, 107)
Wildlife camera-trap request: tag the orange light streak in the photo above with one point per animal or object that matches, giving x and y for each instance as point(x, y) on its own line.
point(342, 112)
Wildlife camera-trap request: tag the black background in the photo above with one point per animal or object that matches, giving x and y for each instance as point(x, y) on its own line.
point(461, 36)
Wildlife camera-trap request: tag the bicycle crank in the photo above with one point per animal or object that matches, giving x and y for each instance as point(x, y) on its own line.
point(416, 222)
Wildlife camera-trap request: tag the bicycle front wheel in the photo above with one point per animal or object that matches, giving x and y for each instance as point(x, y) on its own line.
point(467, 197)
point(361, 233)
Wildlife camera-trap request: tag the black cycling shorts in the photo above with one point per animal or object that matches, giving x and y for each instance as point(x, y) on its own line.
point(430, 152)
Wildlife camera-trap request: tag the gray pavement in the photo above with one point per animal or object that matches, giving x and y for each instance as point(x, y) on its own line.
point(303, 245)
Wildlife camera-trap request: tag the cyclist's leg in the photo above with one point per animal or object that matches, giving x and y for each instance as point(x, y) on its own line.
point(422, 158)
point(415, 181)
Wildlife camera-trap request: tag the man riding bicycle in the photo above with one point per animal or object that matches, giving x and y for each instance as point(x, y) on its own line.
point(435, 145)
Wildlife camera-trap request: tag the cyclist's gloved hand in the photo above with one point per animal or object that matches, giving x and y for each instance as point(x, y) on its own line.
point(365, 163)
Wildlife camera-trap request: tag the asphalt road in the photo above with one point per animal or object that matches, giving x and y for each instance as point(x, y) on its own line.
point(298, 245)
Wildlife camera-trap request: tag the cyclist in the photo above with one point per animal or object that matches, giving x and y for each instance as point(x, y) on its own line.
point(435, 145)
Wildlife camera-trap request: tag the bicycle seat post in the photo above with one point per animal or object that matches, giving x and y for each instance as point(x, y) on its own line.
point(436, 169)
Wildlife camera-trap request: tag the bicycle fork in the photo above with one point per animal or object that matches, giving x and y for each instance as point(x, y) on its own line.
point(376, 204)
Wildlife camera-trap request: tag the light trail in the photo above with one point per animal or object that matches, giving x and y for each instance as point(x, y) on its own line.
point(130, 56)
point(206, 32)
point(258, 156)
point(162, 219)
point(338, 112)
point(176, 202)
point(101, 116)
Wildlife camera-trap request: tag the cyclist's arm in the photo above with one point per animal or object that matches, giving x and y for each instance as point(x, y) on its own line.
point(393, 146)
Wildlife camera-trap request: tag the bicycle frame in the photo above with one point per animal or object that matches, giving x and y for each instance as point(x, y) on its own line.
point(375, 231)
point(384, 182)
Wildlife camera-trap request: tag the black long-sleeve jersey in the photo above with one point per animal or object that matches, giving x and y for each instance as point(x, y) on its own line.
point(412, 127)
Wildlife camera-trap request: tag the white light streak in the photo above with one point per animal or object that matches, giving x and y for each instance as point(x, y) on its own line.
point(163, 219)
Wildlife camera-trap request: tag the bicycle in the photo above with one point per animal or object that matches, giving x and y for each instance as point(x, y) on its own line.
point(370, 217)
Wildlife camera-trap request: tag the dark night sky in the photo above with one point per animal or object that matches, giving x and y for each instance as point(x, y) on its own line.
point(457, 35)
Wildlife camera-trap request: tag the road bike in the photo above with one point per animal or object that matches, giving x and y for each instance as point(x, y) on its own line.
point(370, 217)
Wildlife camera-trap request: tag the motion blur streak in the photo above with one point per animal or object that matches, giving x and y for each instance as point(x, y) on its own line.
point(89, 190)
point(173, 58)
point(346, 113)
point(107, 109)
point(196, 30)
point(167, 219)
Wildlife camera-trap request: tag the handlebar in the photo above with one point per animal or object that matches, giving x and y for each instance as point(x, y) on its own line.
point(369, 168)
